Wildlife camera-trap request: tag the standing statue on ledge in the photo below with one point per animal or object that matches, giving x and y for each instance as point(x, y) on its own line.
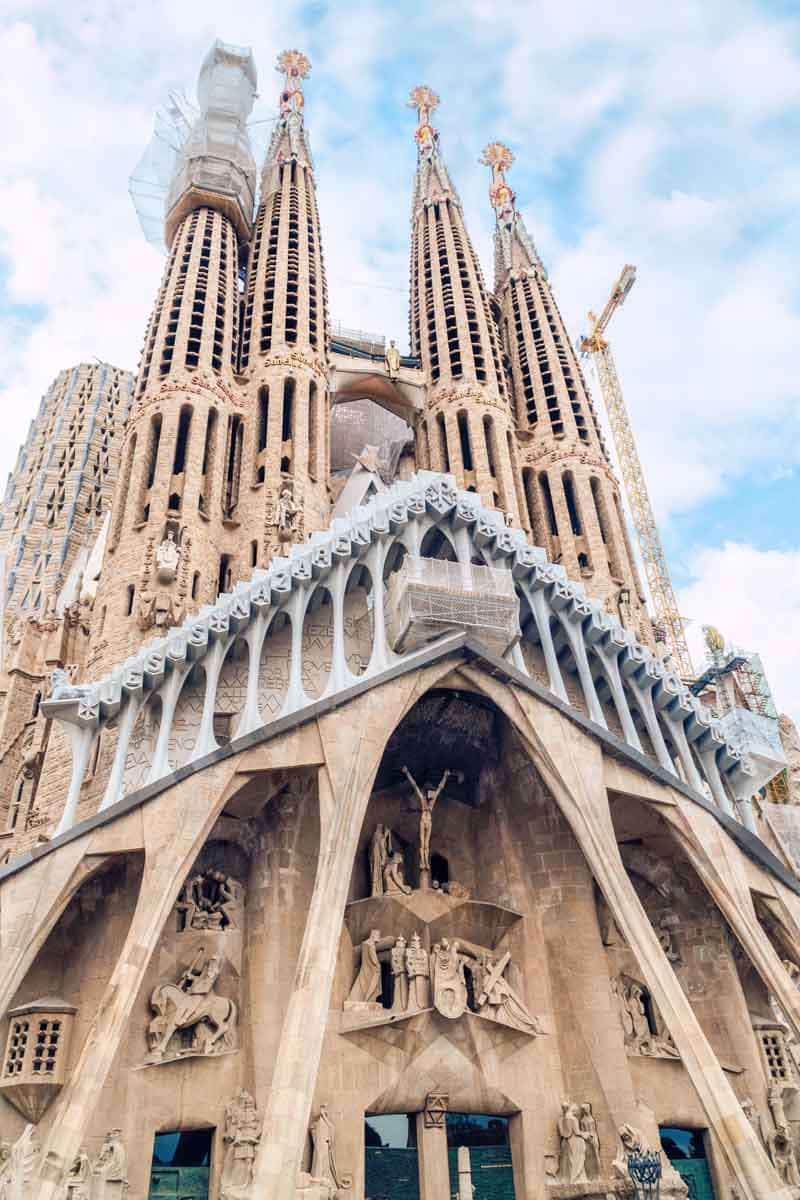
point(392, 360)
point(379, 850)
point(427, 797)
point(323, 1161)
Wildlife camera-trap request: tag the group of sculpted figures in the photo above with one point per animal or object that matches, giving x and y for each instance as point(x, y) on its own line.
point(579, 1157)
point(210, 900)
point(778, 1141)
point(438, 979)
point(105, 1179)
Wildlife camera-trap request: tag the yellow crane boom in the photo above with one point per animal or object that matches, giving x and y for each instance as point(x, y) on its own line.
point(662, 594)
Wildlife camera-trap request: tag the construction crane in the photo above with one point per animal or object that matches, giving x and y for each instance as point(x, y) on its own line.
point(662, 594)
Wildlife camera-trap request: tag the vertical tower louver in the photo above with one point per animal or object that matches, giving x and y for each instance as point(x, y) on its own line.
point(572, 498)
point(285, 326)
point(467, 428)
point(177, 507)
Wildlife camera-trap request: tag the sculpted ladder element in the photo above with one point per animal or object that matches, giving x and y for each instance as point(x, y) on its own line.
point(242, 1135)
point(192, 1005)
point(18, 1165)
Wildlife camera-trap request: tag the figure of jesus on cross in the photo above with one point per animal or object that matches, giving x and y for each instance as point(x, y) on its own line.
point(427, 797)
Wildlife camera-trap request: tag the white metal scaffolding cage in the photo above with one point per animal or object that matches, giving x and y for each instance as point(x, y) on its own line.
point(429, 597)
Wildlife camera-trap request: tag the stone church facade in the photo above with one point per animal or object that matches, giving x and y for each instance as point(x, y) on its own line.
point(377, 850)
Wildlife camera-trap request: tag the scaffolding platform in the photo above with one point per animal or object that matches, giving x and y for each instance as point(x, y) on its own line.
point(429, 597)
point(756, 736)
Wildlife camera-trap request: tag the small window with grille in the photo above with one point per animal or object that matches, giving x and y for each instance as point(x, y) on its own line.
point(46, 1048)
point(37, 1054)
point(15, 1050)
point(776, 1057)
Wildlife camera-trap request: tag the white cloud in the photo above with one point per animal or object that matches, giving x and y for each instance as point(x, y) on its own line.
point(753, 597)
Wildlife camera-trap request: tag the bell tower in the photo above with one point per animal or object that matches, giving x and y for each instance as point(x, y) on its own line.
point(284, 352)
point(572, 498)
point(467, 428)
point(176, 513)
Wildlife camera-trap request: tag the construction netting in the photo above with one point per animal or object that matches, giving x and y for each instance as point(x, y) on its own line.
point(757, 737)
point(430, 596)
point(784, 820)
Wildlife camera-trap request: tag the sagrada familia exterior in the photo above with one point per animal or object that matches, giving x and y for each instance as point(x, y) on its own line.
point(357, 838)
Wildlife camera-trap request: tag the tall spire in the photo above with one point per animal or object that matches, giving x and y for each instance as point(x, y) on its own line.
point(285, 328)
point(513, 246)
point(432, 181)
point(467, 426)
point(571, 498)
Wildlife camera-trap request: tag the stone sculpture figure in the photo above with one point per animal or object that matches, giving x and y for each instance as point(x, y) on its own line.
point(78, 1177)
point(502, 1002)
point(242, 1135)
point(379, 850)
point(192, 1005)
point(392, 360)
point(211, 900)
point(448, 979)
point(397, 959)
point(367, 986)
point(323, 1159)
point(419, 975)
point(427, 797)
point(287, 512)
point(572, 1159)
point(394, 883)
point(19, 1165)
point(589, 1131)
point(168, 556)
point(631, 1142)
point(110, 1175)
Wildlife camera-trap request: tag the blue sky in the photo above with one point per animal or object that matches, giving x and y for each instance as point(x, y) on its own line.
point(663, 135)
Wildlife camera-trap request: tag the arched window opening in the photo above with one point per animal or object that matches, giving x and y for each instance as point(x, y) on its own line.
point(263, 417)
point(606, 533)
point(225, 576)
point(151, 463)
point(287, 426)
point(443, 451)
point(16, 805)
point(466, 448)
point(488, 433)
point(209, 455)
point(234, 465)
point(130, 593)
point(254, 554)
point(572, 504)
point(547, 499)
point(195, 584)
point(125, 483)
point(313, 424)
point(37, 700)
point(182, 440)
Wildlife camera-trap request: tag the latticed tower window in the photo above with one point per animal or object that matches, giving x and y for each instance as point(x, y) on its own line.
point(48, 1036)
point(16, 1047)
point(776, 1057)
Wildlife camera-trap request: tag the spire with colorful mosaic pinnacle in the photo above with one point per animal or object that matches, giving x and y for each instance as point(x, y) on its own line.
point(467, 427)
point(571, 498)
point(285, 325)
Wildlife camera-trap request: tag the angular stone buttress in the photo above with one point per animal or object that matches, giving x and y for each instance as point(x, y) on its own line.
point(367, 847)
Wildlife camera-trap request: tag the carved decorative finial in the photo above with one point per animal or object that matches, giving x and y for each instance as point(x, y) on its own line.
point(295, 67)
point(499, 158)
point(424, 100)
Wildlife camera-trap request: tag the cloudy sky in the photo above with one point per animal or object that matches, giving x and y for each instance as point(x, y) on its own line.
point(659, 134)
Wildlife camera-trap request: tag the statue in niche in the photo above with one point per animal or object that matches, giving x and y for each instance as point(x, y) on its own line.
point(323, 1160)
point(392, 360)
point(639, 1039)
point(192, 1005)
point(495, 994)
point(397, 959)
point(448, 979)
point(418, 970)
point(210, 900)
point(78, 1177)
point(668, 922)
point(18, 1165)
point(110, 1169)
point(168, 556)
point(241, 1137)
point(367, 987)
point(287, 514)
point(572, 1158)
point(379, 850)
point(427, 797)
point(394, 883)
point(146, 609)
